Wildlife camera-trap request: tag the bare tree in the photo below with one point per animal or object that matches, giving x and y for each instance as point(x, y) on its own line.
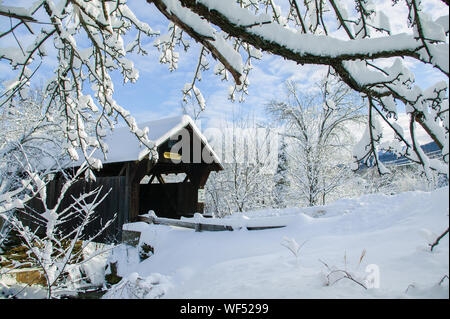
point(249, 160)
point(31, 147)
point(53, 252)
point(27, 133)
point(317, 128)
point(436, 242)
point(26, 128)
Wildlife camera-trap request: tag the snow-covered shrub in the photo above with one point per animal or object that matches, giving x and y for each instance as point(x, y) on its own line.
point(292, 245)
point(92, 272)
point(404, 178)
point(56, 252)
point(369, 278)
point(136, 287)
point(437, 290)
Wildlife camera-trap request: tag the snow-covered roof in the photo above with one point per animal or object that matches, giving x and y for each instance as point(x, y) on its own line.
point(123, 146)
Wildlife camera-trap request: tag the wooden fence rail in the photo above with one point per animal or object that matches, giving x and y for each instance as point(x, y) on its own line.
point(197, 224)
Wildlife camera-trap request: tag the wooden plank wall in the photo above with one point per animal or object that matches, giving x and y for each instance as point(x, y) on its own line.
point(112, 204)
point(170, 200)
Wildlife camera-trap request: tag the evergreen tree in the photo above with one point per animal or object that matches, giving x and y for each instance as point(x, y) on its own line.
point(281, 176)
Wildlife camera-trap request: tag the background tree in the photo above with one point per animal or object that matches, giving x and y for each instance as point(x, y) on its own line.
point(317, 128)
point(281, 177)
point(53, 249)
point(28, 134)
point(249, 160)
point(402, 178)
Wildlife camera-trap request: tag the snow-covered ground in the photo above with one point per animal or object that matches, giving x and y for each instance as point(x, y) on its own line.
point(389, 234)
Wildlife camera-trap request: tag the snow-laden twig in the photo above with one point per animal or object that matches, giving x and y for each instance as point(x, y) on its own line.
point(335, 274)
point(438, 239)
point(55, 251)
point(293, 246)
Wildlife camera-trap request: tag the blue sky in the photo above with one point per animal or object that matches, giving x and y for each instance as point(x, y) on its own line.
point(157, 93)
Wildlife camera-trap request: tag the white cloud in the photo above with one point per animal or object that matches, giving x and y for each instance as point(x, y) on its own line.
point(388, 134)
point(403, 120)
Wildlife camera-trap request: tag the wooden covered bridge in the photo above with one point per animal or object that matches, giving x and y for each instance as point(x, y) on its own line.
point(172, 187)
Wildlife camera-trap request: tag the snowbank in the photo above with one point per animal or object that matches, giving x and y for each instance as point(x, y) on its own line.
point(388, 234)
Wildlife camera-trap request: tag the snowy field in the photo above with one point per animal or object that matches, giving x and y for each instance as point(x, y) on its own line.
point(381, 241)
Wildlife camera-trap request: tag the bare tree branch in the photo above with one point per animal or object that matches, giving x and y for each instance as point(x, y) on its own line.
point(436, 242)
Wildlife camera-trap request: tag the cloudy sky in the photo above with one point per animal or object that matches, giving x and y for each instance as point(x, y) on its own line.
point(157, 93)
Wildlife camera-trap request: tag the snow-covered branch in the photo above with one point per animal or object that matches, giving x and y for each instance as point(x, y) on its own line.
point(308, 40)
point(355, 39)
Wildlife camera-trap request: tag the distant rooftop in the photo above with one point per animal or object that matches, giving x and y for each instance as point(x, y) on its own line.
point(431, 149)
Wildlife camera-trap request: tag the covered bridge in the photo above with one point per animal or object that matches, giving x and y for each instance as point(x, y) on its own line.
point(172, 187)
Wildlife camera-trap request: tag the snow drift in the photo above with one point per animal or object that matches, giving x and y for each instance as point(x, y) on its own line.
point(388, 233)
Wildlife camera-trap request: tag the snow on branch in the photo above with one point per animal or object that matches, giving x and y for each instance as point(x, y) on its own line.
point(302, 48)
point(355, 39)
point(54, 250)
point(103, 24)
point(303, 36)
point(203, 33)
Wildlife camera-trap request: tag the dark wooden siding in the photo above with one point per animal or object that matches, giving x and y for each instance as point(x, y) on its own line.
point(113, 204)
point(171, 200)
